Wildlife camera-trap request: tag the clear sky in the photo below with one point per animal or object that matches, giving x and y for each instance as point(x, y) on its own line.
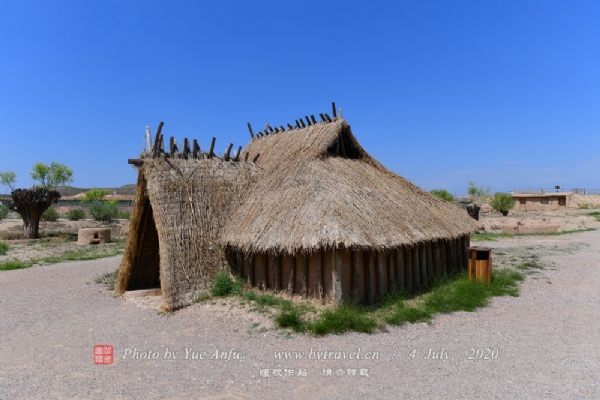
point(504, 93)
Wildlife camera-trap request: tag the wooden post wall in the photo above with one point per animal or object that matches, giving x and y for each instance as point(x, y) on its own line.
point(458, 246)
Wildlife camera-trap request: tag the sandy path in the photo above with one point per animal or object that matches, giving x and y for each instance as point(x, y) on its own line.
point(50, 319)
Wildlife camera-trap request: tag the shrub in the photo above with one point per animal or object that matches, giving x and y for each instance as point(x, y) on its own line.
point(478, 194)
point(103, 211)
point(124, 215)
point(223, 285)
point(502, 202)
point(76, 214)
point(50, 215)
point(443, 194)
point(3, 211)
point(3, 248)
point(94, 195)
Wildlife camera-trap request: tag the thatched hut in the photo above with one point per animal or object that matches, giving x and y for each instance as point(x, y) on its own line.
point(182, 201)
point(316, 216)
point(326, 220)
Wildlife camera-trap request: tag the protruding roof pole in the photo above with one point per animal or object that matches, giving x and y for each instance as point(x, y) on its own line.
point(237, 154)
point(211, 152)
point(255, 157)
point(307, 120)
point(314, 121)
point(333, 109)
point(196, 149)
point(250, 129)
point(157, 138)
point(227, 155)
point(149, 139)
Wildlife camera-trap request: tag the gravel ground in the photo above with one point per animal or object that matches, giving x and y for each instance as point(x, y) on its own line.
point(546, 340)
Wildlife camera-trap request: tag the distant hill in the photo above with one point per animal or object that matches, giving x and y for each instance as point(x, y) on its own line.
point(72, 191)
point(66, 191)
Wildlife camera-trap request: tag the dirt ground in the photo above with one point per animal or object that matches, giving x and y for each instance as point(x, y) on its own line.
point(57, 239)
point(538, 345)
point(538, 221)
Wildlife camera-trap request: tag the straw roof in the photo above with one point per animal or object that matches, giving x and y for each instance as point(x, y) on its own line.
point(318, 188)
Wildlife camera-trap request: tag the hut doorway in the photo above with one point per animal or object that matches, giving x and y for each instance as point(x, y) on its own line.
point(146, 266)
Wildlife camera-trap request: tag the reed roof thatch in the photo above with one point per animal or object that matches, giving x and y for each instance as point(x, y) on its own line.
point(318, 188)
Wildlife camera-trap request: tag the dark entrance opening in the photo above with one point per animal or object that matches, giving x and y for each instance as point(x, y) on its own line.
point(146, 265)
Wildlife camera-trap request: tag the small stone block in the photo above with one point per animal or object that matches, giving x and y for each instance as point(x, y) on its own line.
point(93, 236)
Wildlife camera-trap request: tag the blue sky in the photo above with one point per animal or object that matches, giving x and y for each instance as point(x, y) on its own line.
point(504, 93)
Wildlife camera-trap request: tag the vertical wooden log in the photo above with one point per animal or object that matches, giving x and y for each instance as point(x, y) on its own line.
point(415, 268)
point(276, 267)
point(437, 260)
point(292, 278)
point(400, 276)
point(239, 263)
point(392, 282)
point(430, 266)
point(195, 148)
point(453, 264)
point(423, 259)
point(262, 272)
point(443, 259)
point(472, 265)
point(370, 282)
point(381, 274)
point(250, 270)
point(211, 151)
point(408, 268)
point(355, 256)
point(336, 277)
point(458, 245)
point(305, 276)
point(465, 244)
point(320, 262)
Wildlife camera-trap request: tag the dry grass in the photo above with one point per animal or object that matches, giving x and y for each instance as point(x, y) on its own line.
point(307, 197)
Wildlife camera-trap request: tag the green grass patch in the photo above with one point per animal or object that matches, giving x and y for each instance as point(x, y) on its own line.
point(3, 248)
point(224, 285)
point(595, 214)
point(91, 253)
point(15, 264)
point(344, 318)
point(447, 296)
point(109, 279)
